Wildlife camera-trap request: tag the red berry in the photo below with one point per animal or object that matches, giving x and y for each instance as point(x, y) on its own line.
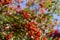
point(42, 5)
point(44, 38)
point(26, 15)
point(36, 38)
point(9, 36)
point(38, 34)
point(15, 25)
point(56, 32)
point(31, 23)
point(21, 12)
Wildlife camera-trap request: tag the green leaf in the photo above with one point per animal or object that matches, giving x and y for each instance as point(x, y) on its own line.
point(47, 4)
point(36, 0)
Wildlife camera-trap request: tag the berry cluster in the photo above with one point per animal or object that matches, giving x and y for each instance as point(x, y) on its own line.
point(33, 31)
point(3, 2)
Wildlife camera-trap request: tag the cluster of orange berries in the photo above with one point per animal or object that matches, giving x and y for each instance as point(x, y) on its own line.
point(26, 14)
point(9, 36)
point(33, 31)
point(3, 2)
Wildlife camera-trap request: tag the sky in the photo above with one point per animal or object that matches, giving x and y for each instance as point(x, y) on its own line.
point(57, 17)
